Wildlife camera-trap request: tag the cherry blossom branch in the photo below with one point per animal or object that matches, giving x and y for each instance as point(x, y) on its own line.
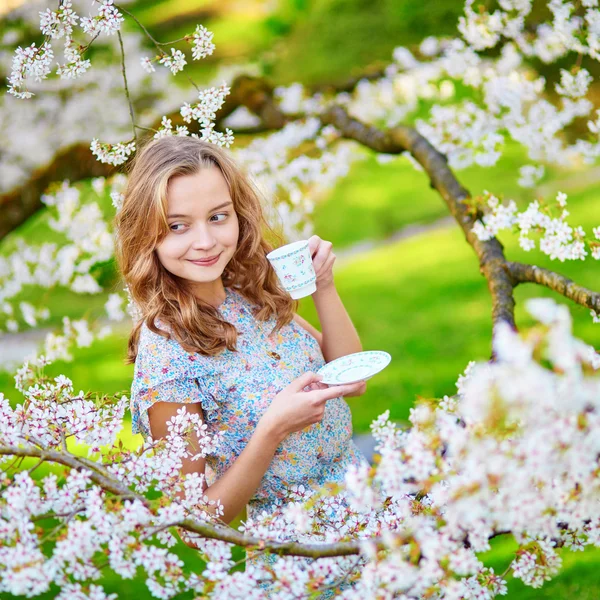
point(86, 47)
point(211, 531)
point(522, 273)
point(69, 460)
point(217, 532)
point(133, 126)
point(143, 28)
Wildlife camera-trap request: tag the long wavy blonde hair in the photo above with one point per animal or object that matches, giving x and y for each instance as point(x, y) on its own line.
point(141, 224)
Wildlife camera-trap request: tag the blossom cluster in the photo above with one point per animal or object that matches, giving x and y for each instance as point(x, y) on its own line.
point(514, 451)
point(35, 62)
point(88, 241)
point(202, 47)
point(112, 154)
point(559, 240)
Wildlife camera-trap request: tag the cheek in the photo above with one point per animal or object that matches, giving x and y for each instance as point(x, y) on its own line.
point(171, 248)
point(234, 233)
point(233, 237)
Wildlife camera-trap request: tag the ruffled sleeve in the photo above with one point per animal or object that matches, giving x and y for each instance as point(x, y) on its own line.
point(165, 372)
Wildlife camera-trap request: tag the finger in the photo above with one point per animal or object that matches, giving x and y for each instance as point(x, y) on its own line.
point(348, 388)
point(334, 391)
point(317, 385)
point(322, 254)
point(304, 380)
point(327, 265)
point(313, 244)
point(312, 386)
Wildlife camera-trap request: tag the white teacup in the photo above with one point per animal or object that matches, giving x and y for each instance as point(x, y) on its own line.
point(294, 267)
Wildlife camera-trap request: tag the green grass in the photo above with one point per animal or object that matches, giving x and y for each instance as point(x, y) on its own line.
point(339, 38)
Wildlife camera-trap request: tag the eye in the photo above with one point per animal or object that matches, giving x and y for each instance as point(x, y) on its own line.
point(174, 226)
point(219, 215)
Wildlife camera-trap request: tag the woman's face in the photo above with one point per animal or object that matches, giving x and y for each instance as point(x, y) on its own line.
point(202, 224)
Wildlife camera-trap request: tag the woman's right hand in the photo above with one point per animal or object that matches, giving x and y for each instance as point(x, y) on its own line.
point(295, 408)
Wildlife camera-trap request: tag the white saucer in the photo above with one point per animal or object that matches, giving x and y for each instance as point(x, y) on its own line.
point(354, 367)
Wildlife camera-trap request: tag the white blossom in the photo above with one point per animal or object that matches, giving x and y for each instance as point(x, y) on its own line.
point(175, 62)
point(147, 64)
point(202, 43)
point(574, 86)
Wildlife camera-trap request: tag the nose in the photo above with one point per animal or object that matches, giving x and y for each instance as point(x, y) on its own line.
point(203, 239)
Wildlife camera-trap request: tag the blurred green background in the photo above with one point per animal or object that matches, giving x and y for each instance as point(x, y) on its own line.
point(421, 298)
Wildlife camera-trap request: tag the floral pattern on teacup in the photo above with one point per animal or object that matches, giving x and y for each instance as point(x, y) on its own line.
point(295, 269)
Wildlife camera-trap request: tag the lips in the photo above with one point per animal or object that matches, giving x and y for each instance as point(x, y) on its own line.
point(207, 262)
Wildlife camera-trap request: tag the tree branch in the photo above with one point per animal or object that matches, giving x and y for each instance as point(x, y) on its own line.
point(123, 70)
point(216, 531)
point(522, 273)
point(68, 460)
point(257, 95)
point(400, 139)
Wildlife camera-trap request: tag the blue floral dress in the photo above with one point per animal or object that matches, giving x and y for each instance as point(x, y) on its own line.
point(236, 388)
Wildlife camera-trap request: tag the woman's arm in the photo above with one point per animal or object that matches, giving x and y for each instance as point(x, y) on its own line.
point(239, 483)
point(339, 335)
point(345, 322)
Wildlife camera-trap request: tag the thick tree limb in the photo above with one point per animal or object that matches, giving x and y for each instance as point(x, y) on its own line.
point(521, 273)
point(257, 95)
point(400, 139)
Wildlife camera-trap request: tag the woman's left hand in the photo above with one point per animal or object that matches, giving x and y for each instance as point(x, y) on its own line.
point(323, 259)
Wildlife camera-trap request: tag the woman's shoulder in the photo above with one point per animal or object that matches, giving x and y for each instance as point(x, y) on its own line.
point(157, 342)
point(161, 358)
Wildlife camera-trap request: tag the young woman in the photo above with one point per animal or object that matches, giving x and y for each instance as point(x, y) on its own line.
point(220, 336)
